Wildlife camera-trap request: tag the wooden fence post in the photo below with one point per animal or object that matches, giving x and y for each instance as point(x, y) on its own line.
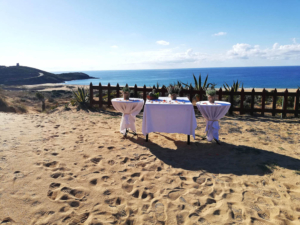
point(200, 94)
point(242, 102)
point(285, 101)
point(108, 95)
point(252, 102)
point(191, 90)
point(118, 90)
point(135, 91)
point(220, 94)
point(274, 102)
point(163, 91)
point(296, 104)
point(181, 93)
point(144, 94)
point(263, 102)
point(100, 96)
point(231, 101)
point(91, 95)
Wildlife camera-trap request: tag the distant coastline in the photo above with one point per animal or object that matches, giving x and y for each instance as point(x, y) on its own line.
point(22, 75)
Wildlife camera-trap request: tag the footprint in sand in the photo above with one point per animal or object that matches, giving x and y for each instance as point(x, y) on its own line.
point(51, 164)
point(56, 175)
point(147, 195)
point(113, 202)
point(96, 160)
point(76, 219)
point(159, 209)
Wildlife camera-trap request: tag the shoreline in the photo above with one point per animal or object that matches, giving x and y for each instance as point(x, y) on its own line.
point(63, 86)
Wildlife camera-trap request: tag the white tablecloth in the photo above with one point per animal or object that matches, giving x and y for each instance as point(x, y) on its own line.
point(167, 116)
point(212, 113)
point(130, 109)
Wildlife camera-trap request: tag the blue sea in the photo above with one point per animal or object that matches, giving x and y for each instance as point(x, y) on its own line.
point(251, 77)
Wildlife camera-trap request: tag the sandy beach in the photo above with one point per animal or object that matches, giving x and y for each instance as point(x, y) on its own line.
point(50, 87)
point(74, 167)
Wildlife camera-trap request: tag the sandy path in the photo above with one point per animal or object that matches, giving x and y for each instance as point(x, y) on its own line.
point(75, 168)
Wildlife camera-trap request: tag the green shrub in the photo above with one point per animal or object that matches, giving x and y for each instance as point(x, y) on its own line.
point(21, 108)
point(67, 106)
point(81, 96)
point(174, 89)
point(3, 102)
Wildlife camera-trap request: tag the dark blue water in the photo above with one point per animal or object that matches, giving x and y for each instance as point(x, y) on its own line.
point(251, 77)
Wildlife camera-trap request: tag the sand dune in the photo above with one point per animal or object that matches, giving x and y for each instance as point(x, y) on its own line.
point(76, 168)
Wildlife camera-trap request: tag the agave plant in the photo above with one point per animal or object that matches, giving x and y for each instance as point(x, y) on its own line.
point(126, 89)
point(211, 92)
point(235, 86)
point(81, 96)
point(198, 83)
point(174, 89)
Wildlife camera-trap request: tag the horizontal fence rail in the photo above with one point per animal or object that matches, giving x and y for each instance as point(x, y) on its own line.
point(190, 93)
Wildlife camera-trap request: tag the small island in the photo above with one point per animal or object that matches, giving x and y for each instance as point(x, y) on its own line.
point(23, 75)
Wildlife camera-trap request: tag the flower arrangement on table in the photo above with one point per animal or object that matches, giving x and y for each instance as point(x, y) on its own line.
point(126, 92)
point(211, 94)
point(173, 91)
point(153, 95)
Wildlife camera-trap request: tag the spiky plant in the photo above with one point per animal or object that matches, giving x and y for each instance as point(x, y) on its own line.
point(199, 85)
point(154, 94)
point(235, 86)
point(126, 89)
point(81, 96)
point(41, 97)
point(174, 89)
point(211, 92)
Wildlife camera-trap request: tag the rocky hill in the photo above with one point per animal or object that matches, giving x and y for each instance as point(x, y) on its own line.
point(22, 75)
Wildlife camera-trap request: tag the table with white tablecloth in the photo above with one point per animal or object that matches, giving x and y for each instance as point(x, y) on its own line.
point(130, 108)
point(169, 116)
point(212, 114)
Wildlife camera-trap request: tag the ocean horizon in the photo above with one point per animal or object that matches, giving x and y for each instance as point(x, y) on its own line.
point(251, 77)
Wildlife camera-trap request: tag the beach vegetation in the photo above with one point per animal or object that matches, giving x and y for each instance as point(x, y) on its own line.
point(73, 102)
point(81, 97)
point(235, 86)
point(67, 108)
point(297, 172)
point(153, 94)
point(20, 108)
point(198, 83)
point(174, 89)
point(41, 98)
point(126, 89)
point(211, 92)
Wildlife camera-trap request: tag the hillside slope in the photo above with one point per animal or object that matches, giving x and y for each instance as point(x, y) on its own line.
point(22, 75)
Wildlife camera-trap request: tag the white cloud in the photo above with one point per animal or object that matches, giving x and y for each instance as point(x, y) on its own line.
point(114, 46)
point(162, 42)
point(277, 52)
point(220, 34)
point(174, 56)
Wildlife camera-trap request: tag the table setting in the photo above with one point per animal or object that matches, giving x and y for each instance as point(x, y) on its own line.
point(169, 115)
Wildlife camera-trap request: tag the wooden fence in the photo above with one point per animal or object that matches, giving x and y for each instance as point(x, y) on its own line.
point(190, 93)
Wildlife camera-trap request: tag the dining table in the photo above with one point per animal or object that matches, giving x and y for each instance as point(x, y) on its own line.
point(169, 116)
point(213, 112)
